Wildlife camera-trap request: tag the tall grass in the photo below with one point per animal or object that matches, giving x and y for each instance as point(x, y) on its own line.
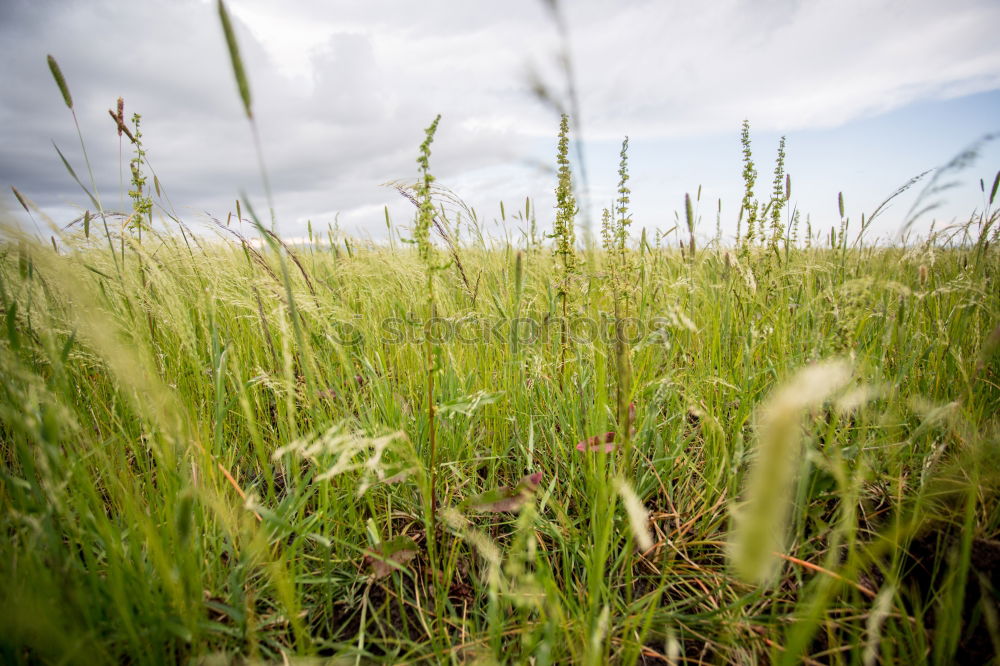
point(134, 467)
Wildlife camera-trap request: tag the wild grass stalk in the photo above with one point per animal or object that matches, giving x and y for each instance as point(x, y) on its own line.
point(243, 86)
point(432, 352)
point(422, 237)
point(93, 194)
point(749, 206)
point(689, 221)
point(564, 233)
point(778, 198)
point(622, 273)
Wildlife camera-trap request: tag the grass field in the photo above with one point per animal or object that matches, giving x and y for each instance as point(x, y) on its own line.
point(467, 450)
point(202, 444)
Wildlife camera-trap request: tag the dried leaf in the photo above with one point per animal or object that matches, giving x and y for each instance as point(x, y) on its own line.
point(603, 443)
point(506, 499)
point(391, 555)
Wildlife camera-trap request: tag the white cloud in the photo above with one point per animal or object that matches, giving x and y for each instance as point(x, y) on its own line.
point(343, 90)
point(787, 65)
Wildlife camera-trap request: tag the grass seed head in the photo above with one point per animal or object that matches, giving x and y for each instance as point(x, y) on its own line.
point(761, 521)
point(638, 516)
point(234, 55)
point(61, 82)
point(120, 115)
point(20, 199)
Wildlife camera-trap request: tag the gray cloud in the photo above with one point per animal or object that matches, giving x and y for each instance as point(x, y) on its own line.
point(343, 90)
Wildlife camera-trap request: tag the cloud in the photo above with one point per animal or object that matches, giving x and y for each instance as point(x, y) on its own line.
point(343, 90)
point(692, 69)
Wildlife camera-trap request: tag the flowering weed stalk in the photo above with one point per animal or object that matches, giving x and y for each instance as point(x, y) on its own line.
point(564, 232)
point(749, 206)
point(622, 276)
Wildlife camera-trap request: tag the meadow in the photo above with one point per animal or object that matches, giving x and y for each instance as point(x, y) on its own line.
point(633, 447)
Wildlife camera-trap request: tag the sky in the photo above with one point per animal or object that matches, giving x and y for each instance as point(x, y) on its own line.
point(868, 93)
